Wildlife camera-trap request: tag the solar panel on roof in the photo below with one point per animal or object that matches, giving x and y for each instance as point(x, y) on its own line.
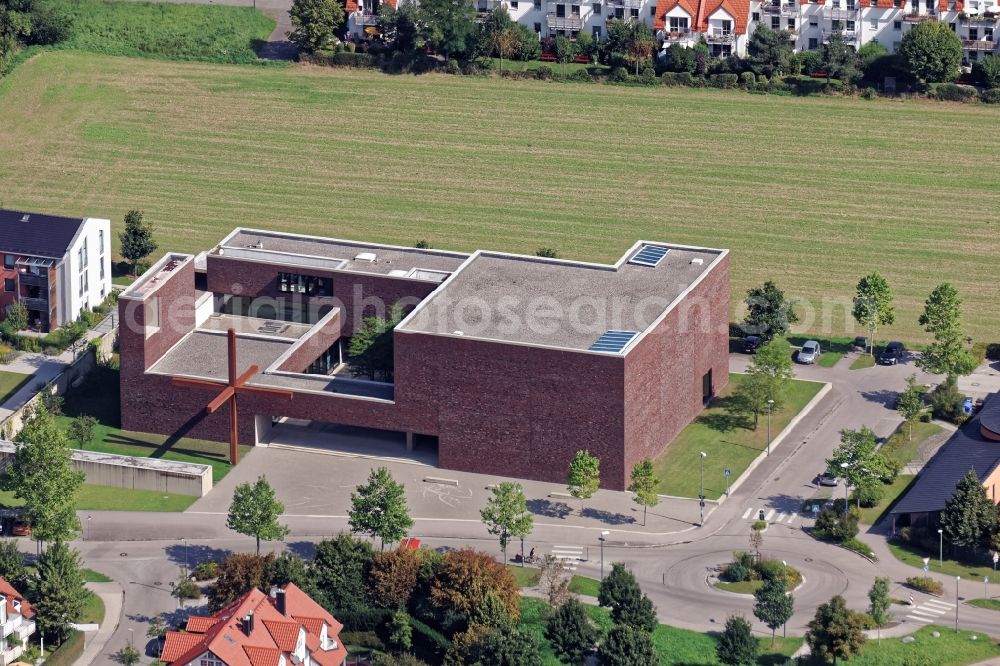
point(613, 341)
point(649, 255)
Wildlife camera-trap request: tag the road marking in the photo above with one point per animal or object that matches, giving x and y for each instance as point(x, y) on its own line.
point(939, 604)
point(792, 517)
point(770, 513)
point(917, 618)
point(780, 518)
point(747, 513)
point(927, 612)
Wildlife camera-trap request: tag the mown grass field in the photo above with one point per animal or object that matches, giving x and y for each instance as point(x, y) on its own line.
point(810, 192)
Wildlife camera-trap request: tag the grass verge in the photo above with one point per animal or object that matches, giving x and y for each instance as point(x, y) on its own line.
point(906, 441)
point(895, 490)
point(727, 443)
point(989, 604)
point(106, 498)
point(588, 587)
point(525, 576)
point(91, 576)
point(93, 609)
point(741, 587)
point(10, 382)
point(949, 649)
point(914, 557)
point(673, 646)
point(863, 361)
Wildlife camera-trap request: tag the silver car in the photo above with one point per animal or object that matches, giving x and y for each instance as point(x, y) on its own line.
point(809, 353)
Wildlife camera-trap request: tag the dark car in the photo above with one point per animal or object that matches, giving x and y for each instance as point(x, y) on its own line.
point(892, 354)
point(751, 343)
point(861, 342)
point(21, 528)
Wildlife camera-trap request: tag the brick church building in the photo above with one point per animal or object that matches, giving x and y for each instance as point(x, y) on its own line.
point(503, 364)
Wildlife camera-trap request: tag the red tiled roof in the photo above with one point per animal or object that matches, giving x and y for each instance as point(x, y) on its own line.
point(351, 6)
point(664, 6)
point(178, 643)
point(313, 625)
point(943, 5)
point(199, 624)
point(738, 9)
point(284, 634)
point(7, 590)
point(262, 656)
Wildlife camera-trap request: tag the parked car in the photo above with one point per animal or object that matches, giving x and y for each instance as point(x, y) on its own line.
point(827, 479)
point(892, 354)
point(751, 343)
point(809, 352)
point(21, 528)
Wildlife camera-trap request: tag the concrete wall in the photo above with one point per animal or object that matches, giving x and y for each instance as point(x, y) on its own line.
point(104, 469)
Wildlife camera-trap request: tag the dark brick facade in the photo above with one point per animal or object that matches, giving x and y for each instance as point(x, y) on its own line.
point(496, 408)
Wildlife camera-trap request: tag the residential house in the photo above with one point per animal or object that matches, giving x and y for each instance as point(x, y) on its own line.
point(16, 623)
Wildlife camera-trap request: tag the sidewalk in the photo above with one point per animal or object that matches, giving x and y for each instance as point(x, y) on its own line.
point(111, 595)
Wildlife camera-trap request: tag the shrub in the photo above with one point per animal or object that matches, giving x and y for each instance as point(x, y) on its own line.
point(760, 525)
point(991, 96)
point(648, 77)
point(363, 639)
point(7, 355)
point(464, 578)
point(748, 79)
point(452, 67)
point(832, 524)
point(869, 93)
point(206, 571)
point(618, 75)
point(859, 547)
point(925, 584)
point(544, 73)
point(728, 80)
point(364, 618)
point(669, 79)
point(685, 79)
point(952, 92)
point(186, 589)
point(946, 401)
point(993, 351)
point(580, 75)
point(979, 352)
point(737, 572)
point(68, 652)
point(870, 494)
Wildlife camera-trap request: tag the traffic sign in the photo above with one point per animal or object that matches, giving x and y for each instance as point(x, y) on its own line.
point(996, 556)
point(701, 503)
point(727, 472)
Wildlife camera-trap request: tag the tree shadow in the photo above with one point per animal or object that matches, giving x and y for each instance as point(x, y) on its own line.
point(724, 422)
point(304, 549)
point(608, 517)
point(195, 554)
point(548, 508)
point(884, 397)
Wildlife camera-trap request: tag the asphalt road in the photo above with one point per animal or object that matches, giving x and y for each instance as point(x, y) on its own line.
point(673, 560)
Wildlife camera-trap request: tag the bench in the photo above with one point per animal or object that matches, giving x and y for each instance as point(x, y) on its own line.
point(582, 59)
point(547, 57)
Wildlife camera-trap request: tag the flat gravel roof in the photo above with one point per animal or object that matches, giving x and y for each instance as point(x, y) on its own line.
point(388, 258)
point(203, 354)
point(556, 303)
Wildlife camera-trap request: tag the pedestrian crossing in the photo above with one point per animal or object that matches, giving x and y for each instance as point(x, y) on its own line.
point(929, 611)
point(770, 515)
point(569, 555)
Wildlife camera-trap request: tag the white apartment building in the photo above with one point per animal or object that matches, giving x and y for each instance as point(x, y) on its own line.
point(726, 25)
point(15, 623)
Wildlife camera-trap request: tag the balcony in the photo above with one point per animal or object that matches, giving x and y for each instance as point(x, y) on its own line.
point(847, 35)
point(677, 35)
point(979, 44)
point(625, 4)
point(720, 37)
point(365, 18)
point(29, 280)
point(11, 654)
point(914, 17)
point(563, 22)
point(36, 304)
point(838, 14)
point(786, 9)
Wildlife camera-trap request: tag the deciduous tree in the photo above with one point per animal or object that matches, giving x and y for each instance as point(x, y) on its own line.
point(767, 378)
point(584, 477)
point(464, 577)
point(737, 644)
point(315, 23)
point(370, 351)
point(238, 574)
point(865, 464)
point(81, 429)
point(942, 318)
point(643, 484)
point(640, 43)
point(58, 591)
point(42, 475)
point(769, 313)
point(553, 580)
point(136, 238)
point(339, 571)
point(378, 508)
point(836, 631)
point(987, 70)
point(17, 316)
point(880, 601)
point(506, 514)
point(254, 512)
point(393, 578)
point(931, 51)
point(873, 304)
point(447, 25)
point(910, 403)
point(571, 632)
point(772, 604)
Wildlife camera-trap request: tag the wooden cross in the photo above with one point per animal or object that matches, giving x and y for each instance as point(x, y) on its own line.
point(235, 386)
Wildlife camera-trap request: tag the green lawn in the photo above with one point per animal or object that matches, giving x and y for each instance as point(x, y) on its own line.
point(100, 398)
point(833, 347)
point(525, 576)
point(165, 30)
point(675, 647)
point(107, 498)
point(990, 604)
point(742, 587)
point(727, 443)
point(873, 515)
point(913, 556)
point(501, 168)
point(10, 382)
point(588, 587)
point(949, 649)
point(91, 576)
point(863, 361)
point(559, 69)
point(902, 447)
point(93, 609)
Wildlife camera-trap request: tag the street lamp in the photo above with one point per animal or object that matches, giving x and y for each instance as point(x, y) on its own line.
point(602, 538)
point(957, 579)
point(701, 496)
point(784, 574)
point(847, 492)
point(770, 406)
point(941, 548)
